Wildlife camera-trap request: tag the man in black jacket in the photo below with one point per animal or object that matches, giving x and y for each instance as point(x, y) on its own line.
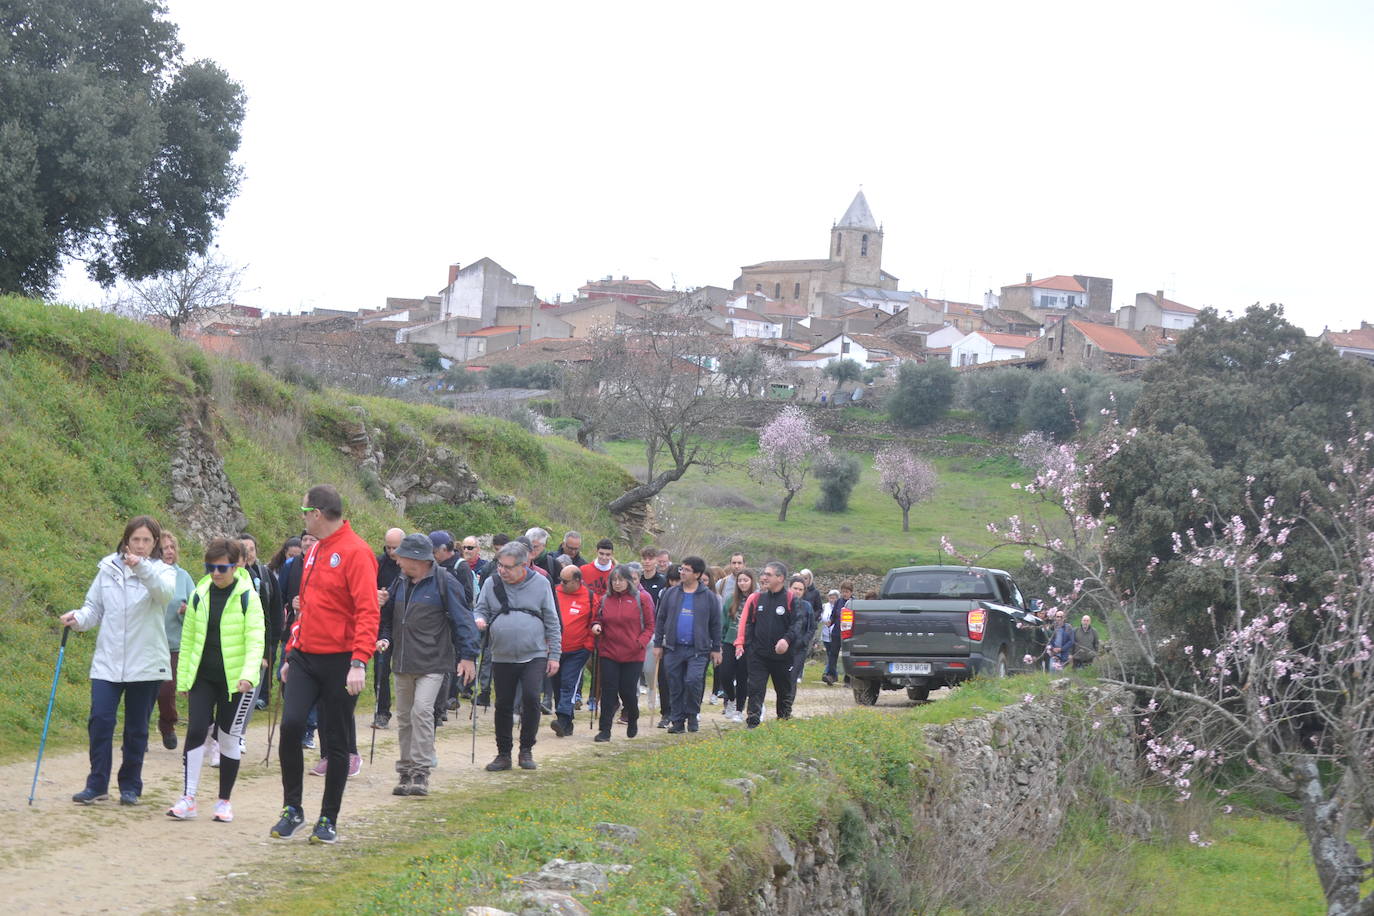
point(269, 594)
point(686, 633)
point(387, 572)
point(807, 615)
point(774, 627)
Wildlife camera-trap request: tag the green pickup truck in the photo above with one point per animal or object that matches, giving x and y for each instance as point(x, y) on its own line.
point(935, 626)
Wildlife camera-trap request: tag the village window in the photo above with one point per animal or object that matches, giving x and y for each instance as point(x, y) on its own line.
point(844, 347)
point(1046, 302)
point(758, 287)
point(796, 290)
point(1087, 351)
point(1050, 341)
point(863, 246)
point(777, 289)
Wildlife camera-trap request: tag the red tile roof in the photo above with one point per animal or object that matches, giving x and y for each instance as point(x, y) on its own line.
point(1171, 306)
point(1059, 281)
point(493, 331)
point(1360, 339)
point(1111, 340)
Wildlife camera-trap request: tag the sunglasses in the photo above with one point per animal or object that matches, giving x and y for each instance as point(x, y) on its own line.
point(307, 509)
point(219, 567)
point(469, 546)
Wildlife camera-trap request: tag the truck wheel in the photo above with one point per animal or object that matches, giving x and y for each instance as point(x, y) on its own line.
point(918, 694)
point(866, 691)
point(1002, 662)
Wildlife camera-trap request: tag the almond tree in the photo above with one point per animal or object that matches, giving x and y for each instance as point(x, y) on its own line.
point(1285, 690)
point(789, 447)
point(906, 478)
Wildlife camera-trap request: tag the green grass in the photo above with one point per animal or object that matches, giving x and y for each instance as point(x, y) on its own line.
point(89, 408)
point(726, 511)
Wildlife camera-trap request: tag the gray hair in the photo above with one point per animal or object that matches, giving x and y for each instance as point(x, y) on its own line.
point(636, 567)
point(537, 536)
point(573, 534)
point(515, 551)
point(778, 567)
point(622, 571)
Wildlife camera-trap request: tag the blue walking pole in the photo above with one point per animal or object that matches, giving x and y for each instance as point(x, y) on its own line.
point(52, 695)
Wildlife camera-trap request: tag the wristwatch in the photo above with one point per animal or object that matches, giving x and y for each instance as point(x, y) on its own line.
point(357, 664)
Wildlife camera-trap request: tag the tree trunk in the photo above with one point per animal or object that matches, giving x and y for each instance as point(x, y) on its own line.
point(174, 325)
point(782, 513)
point(1336, 859)
point(645, 491)
point(906, 518)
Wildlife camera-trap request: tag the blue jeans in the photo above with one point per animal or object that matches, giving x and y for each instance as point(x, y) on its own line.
point(139, 697)
point(686, 669)
point(570, 679)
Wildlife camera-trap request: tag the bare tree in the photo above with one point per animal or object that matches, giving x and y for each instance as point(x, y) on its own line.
point(183, 297)
point(665, 385)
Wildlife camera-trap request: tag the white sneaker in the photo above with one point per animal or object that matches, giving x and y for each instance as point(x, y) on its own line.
point(224, 812)
point(214, 753)
point(184, 809)
point(355, 764)
point(713, 699)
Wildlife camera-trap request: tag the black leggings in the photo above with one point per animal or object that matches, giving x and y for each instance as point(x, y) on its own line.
point(529, 677)
point(207, 701)
point(315, 679)
point(619, 687)
point(734, 677)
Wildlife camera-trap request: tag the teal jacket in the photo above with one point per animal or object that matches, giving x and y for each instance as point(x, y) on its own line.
point(241, 634)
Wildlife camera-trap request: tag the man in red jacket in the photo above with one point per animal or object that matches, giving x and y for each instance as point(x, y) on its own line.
point(326, 656)
point(576, 605)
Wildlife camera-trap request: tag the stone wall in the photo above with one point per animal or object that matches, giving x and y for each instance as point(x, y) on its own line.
point(205, 503)
point(1010, 775)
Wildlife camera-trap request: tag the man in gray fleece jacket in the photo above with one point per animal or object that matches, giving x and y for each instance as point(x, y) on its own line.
point(517, 609)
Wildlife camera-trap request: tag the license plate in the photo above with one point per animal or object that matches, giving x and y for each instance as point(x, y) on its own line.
point(908, 667)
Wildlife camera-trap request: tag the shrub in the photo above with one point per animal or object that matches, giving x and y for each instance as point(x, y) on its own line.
point(924, 393)
point(996, 396)
point(837, 475)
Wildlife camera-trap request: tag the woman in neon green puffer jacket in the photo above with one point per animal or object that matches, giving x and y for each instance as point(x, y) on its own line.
point(219, 668)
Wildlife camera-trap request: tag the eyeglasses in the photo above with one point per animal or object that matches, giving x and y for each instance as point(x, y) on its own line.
point(219, 567)
point(508, 567)
point(306, 510)
point(469, 546)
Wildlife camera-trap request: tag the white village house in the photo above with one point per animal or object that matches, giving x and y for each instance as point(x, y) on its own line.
point(986, 347)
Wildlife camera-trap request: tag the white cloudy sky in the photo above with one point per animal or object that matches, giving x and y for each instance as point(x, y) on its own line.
point(1220, 151)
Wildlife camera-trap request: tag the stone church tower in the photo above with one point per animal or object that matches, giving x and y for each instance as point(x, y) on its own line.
point(857, 240)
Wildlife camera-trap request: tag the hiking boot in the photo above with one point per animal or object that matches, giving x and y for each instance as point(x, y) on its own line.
point(556, 726)
point(420, 786)
point(324, 832)
point(381, 720)
point(355, 764)
point(184, 809)
point(602, 736)
point(308, 741)
point(403, 787)
point(527, 761)
point(169, 741)
point(89, 797)
point(693, 724)
point(260, 703)
point(320, 767)
point(483, 699)
point(224, 812)
point(453, 703)
point(128, 797)
point(664, 723)
point(466, 694)
point(676, 728)
point(499, 762)
point(291, 818)
point(631, 728)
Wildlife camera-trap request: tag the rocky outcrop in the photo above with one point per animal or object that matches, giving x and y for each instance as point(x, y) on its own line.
point(406, 470)
point(205, 503)
point(1010, 775)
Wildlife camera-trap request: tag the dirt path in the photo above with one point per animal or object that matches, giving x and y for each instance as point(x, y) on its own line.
point(58, 857)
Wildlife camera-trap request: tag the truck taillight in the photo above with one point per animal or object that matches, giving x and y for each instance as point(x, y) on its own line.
point(976, 621)
point(846, 623)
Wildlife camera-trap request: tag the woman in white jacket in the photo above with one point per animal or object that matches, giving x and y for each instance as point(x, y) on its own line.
point(127, 601)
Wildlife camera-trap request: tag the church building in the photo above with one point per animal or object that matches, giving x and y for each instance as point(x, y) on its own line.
point(854, 259)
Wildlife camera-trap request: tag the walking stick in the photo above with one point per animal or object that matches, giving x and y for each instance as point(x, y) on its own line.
point(272, 721)
point(372, 754)
point(596, 680)
point(52, 695)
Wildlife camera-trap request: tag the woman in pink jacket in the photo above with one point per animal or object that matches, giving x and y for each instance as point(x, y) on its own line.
point(623, 628)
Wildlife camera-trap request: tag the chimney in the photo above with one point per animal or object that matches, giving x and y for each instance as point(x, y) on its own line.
point(1028, 278)
point(1159, 296)
point(452, 273)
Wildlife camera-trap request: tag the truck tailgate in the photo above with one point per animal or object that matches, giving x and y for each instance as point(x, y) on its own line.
point(903, 627)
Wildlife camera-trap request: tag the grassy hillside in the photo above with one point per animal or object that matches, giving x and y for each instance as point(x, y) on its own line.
point(89, 405)
point(725, 510)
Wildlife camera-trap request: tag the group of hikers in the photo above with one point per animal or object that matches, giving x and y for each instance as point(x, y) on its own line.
point(442, 624)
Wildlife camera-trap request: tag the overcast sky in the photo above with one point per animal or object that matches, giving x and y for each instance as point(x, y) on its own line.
point(1219, 151)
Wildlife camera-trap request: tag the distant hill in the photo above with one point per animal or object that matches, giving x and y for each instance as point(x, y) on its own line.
point(102, 418)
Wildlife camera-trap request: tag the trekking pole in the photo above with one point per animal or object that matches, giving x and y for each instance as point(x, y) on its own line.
point(372, 754)
point(596, 680)
point(271, 725)
point(52, 695)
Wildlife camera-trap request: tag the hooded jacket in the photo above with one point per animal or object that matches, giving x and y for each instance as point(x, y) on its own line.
point(627, 625)
point(424, 632)
point(241, 634)
point(129, 605)
point(531, 629)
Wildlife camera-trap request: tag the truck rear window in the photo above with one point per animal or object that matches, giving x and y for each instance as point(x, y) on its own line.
point(937, 583)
